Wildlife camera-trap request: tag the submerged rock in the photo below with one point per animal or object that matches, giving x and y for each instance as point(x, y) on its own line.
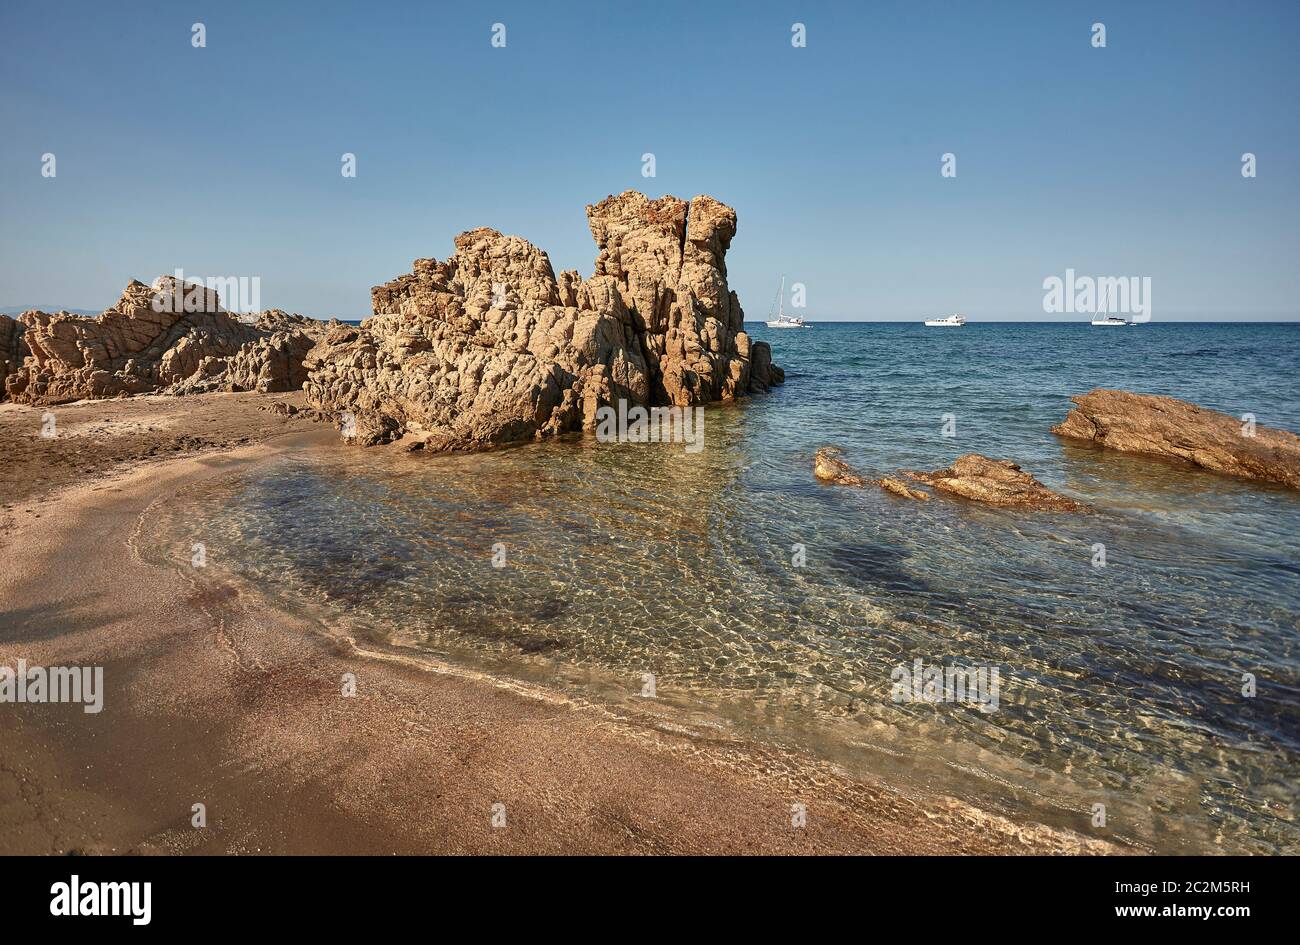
point(1163, 426)
point(901, 489)
point(490, 346)
point(171, 338)
point(828, 467)
point(998, 482)
point(992, 481)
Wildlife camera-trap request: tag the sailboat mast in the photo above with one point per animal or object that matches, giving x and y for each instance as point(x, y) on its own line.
point(781, 296)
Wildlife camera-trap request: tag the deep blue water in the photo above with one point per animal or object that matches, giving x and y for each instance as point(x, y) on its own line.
point(1121, 685)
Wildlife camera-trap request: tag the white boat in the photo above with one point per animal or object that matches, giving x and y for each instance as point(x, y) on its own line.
point(948, 321)
point(1110, 321)
point(783, 320)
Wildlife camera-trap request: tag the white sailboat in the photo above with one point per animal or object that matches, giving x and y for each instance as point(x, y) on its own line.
point(948, 321)
point(783, 320)
point(1104, 319)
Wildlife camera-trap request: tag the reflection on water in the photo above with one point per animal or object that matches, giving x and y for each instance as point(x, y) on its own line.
point(1119, 685)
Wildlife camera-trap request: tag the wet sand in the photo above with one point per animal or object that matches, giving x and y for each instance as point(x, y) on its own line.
point(215, 697)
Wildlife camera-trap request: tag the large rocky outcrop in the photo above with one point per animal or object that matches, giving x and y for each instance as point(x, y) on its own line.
point(490, 346)
point(166, 338)
point(1163, 426)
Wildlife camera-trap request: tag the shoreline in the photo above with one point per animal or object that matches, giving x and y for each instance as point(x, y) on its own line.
point(214, 696)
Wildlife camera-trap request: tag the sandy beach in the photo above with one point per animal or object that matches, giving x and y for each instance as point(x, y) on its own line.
point(212, 696)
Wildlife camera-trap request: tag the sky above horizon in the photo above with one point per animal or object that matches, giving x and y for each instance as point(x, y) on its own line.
point(225, 160)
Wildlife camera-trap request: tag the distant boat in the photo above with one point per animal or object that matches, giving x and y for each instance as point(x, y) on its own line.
point(1110, 321)
point(783, 320)
point(948, 321)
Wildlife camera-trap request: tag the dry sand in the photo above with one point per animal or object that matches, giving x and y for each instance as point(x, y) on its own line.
point(214, 696)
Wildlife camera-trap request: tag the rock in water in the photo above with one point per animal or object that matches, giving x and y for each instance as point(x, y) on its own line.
point(993, 481)
point(901, 489)
point(171, 338)
point(1163, 426)
point(490, 346)
point(828, 467)
point(996, 482)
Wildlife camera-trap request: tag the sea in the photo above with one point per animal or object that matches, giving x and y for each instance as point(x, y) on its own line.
point(1147, 656)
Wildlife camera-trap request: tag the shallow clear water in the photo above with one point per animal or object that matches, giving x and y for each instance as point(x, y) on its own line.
point(1119, 685)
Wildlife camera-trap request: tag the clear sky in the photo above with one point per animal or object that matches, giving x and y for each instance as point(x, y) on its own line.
point(225, 160)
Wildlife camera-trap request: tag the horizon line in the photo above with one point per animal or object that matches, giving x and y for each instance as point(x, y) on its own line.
point(10, 310)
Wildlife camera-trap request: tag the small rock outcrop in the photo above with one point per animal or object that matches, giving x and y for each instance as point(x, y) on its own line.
point(901, 489)
point(170, 338)
point(490, 346)
point(828, 467)
point(1163, 426)
point(998, 482)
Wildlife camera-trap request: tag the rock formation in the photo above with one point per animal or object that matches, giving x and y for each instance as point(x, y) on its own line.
point(490, 346)
point(901, 489)
point(828, 467)
point(12, 348)
point(272, 361)
point(1163, 426)
point(166, 338)
point(997, 482)
point(991, 481)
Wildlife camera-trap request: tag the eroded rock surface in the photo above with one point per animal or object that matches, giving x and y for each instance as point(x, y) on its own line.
point(998, 482)
point(1163, 426)
point(12, 348)
point(489, 346)
point(187, 344)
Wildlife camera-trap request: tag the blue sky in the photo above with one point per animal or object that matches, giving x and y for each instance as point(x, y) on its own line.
point(226, 160)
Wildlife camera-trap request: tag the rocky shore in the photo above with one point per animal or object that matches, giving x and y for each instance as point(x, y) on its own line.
point(169, 337)
point(486, 347)
point(217, 691)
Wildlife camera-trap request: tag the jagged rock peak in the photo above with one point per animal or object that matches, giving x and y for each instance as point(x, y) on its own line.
point(491, 346)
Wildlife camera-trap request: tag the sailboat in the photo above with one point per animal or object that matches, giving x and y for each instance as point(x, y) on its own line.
point(783, 320)
point(1104, 319)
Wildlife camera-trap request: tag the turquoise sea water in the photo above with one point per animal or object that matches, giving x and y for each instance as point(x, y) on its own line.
point(1119, 685)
